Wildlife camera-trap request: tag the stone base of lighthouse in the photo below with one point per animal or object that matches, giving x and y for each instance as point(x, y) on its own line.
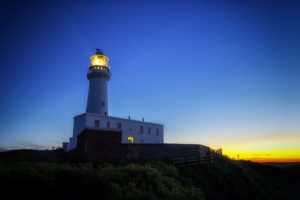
point(99, 145)
point(106, 146)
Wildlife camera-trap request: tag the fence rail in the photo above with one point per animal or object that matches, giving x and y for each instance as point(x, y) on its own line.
point(193, 160)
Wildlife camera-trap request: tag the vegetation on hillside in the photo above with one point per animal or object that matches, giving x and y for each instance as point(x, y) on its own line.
point(56, 174)
point(154, 180)
point(230, 179)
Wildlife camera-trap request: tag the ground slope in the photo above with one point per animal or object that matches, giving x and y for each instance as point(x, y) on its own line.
point(57, 174)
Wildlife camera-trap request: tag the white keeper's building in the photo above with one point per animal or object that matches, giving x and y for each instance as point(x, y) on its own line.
point(97, 116)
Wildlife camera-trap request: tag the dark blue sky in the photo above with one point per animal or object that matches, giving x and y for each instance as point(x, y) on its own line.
point(214, 72)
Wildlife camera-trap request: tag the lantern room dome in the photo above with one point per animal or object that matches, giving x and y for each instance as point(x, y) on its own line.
point(99, 59)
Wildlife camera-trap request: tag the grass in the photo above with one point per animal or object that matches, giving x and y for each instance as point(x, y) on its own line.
point(56, 174)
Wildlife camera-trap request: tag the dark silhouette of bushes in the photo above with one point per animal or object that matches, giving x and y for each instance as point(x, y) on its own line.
point(84, 181)
point(57, 174)
point(231, 179)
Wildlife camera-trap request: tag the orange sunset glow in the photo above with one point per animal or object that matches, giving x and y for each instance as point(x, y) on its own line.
point(284, 148)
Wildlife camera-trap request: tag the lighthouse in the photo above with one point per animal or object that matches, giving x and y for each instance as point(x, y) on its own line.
point(98, 136)
point(98, 75)
point(98, 122)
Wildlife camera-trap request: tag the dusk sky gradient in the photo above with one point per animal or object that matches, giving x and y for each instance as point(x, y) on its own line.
point(219, 73)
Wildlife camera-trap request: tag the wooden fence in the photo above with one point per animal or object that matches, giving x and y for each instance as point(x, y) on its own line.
point(193, 160)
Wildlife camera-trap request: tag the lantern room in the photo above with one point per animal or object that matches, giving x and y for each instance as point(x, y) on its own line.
point(99, 60)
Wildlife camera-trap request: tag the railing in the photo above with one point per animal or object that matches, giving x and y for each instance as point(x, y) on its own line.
point(193, 160)
point(98, 69)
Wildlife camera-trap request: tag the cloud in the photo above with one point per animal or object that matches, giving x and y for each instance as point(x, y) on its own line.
point(25, 145)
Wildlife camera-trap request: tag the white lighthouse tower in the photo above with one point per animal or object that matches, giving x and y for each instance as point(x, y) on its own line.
point(96, 117)
point(98, 75)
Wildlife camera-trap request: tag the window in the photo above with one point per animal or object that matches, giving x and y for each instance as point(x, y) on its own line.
point(130, 139)
point(157, 131)
point(97, 123)
point(119, 125)
point(103, 103)
point(108, 124)
point(141, 129)
point(149, 130)
point(105, 113)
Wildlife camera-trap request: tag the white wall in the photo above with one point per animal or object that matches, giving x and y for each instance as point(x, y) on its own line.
point(78, 127)
point(97, 97)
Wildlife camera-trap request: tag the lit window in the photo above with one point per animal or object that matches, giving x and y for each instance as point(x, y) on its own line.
point(130, 139)
point(97, 123)
point(141, 129)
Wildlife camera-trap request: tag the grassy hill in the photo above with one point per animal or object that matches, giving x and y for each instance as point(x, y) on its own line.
point(57, 174)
